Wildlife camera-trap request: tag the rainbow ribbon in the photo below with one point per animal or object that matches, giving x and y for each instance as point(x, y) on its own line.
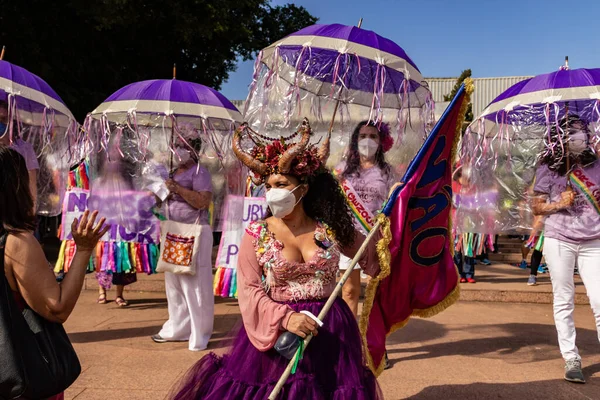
point(353, 201)
point(587, 189)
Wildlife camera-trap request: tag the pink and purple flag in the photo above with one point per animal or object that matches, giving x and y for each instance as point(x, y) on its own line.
point(418, 276)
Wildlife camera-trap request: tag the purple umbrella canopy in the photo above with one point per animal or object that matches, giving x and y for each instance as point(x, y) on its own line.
point(31, 100)
point(37, 115)
point(30, 92)
point(168, 97)
point(177, 108)
point(548, 97)
point(501, 148)
point(336, 62)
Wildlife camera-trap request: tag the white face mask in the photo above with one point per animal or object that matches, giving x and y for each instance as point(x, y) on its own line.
point(367, 147)
point(577, 142)
point(282, 201)
point(182, 156)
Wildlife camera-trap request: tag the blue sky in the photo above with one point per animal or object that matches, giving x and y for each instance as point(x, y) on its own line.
point(443, 37)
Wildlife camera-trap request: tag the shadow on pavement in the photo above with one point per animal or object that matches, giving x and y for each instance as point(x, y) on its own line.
point(113, 334)
point(225, 328)
point(147, 304)
point(516, 343)
point(418, 330)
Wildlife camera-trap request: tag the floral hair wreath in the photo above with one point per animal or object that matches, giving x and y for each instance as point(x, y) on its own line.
point(280, 157)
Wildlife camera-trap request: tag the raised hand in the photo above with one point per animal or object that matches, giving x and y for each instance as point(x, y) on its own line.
point(85, 234)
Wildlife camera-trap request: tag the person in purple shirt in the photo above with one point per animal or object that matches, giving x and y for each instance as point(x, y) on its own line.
point(190, 298)
point(567, 193)
point(23, 148)
point(371, 178)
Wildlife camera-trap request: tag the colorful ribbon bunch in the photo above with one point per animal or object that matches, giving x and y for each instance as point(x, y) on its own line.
point(79, 177)
point(225, 283)
point(536, 242)
point(474, 244)
point(115, 257)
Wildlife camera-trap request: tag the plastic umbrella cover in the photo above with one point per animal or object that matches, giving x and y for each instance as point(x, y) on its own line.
point(137, 156)
point(53, 151)
point(35, 114)
point(275, 107)
point(500, 154)
point(50, 135)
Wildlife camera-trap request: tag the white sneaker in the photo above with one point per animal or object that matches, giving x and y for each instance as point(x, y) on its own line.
point(573, 372)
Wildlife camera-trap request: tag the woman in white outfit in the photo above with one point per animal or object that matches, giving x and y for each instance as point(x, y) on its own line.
point(567, 192)
point(190, 298)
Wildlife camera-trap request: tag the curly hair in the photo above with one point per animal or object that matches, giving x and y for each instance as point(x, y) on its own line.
point(326, 202)
point(353, 161)
point(16, 202)
point(554, 156)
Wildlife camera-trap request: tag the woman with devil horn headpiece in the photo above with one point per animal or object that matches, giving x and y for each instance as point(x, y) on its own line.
point(287, 267)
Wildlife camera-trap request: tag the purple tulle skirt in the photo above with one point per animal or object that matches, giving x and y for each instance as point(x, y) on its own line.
point(333, 366)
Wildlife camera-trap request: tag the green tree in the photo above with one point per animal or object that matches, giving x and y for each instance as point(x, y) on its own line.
point(88, 49)
point(464, 75)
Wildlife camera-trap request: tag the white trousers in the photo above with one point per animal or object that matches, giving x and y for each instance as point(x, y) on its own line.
point(191, 302)
point(561, 258)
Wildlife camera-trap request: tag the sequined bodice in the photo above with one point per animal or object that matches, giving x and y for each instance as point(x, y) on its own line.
point(292, 280)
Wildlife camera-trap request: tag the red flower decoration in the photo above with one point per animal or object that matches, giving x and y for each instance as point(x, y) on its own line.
point(385, 137)
point(386, 143)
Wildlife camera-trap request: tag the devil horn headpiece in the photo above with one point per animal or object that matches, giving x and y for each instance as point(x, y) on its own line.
point(262, 163)
point(286, 159)
point(255, 166)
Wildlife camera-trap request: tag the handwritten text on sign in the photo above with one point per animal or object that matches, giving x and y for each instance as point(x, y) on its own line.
point(237, 209)
point(128, 213)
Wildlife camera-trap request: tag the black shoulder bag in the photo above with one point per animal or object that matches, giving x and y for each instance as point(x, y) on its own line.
point(37, 359)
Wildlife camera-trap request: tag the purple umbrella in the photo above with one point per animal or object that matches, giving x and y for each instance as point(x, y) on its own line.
point(344, 63)
point(167, 97)
point(501, 148)
point(164, 103)
point(535, 105)
point(37, 115)
point(31, 100)
point(549, 97)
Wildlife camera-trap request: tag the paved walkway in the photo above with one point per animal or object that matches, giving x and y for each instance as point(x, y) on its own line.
point(495, 283)
point(473, 350)
point(507, 283)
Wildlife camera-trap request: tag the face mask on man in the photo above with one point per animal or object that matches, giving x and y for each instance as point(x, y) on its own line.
point(577, 142)
point(367, 147)
point(282, 201)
